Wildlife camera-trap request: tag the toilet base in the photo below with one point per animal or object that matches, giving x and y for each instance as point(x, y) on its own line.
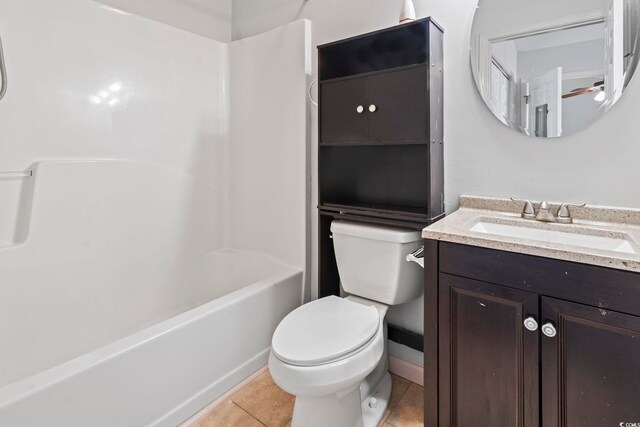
point(372, 416)
point(347, 409)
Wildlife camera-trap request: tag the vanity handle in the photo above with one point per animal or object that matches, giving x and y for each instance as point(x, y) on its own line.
point(564, 215)
point(549, 330)
point(360, 109)
point(527, 210)
point(531, 324)
point(372, 108)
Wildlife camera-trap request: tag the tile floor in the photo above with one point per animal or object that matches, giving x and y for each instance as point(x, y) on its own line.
point(262, 403)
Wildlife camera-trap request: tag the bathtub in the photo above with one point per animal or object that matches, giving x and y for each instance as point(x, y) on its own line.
point(168, 364)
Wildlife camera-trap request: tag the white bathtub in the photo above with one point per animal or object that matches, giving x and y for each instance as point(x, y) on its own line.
point(168, 365)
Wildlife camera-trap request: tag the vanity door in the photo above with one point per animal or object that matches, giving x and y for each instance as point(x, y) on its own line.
point(489, 360)
point(590, 367)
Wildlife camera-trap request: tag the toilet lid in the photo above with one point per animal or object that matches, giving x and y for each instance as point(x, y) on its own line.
point(324, 330)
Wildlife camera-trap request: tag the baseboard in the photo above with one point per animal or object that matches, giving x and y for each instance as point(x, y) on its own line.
point(406, 370)
point(199, 416)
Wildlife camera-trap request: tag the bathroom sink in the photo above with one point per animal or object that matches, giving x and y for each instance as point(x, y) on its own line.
point(613, 242)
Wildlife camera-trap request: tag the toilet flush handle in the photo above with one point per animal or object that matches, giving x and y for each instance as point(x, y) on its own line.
point(417, 256)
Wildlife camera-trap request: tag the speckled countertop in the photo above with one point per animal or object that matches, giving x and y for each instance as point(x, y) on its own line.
point(615, 223)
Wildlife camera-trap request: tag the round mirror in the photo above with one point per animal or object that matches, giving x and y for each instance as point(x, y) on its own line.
point(551, 68)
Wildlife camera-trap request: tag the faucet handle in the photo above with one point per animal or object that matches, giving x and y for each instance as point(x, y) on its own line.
point(527, 210)
point(564, 215)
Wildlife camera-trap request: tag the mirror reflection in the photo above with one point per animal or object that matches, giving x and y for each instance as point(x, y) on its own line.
point(551, 68)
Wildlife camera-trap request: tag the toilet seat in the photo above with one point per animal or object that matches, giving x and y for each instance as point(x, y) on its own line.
point(324, 331)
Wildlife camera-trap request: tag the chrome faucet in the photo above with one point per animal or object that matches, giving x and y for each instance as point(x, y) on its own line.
point(544, 212)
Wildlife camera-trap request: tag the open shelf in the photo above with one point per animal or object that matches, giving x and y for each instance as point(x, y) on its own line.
point(371, 143)
point(372, 209)
point(383, 179)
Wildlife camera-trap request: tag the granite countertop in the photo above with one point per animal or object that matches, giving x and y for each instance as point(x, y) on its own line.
point(618, 223)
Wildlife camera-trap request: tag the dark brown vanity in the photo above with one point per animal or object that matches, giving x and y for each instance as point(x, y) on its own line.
point(518, 340)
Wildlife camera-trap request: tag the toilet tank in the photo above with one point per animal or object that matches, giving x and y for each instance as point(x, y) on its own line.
point(372, 262)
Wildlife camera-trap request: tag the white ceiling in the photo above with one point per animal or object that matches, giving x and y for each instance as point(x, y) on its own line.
point(209, 18)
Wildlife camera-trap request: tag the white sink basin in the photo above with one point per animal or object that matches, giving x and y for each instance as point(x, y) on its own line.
point(620, 243)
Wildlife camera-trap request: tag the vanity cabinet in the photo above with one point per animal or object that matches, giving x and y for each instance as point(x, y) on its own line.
point(520, 340)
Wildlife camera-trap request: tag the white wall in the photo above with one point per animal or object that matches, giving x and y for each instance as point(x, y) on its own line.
point(482, 156)
point(209, 18)
point(506, 54)
point(268, 166)
point(574, 57)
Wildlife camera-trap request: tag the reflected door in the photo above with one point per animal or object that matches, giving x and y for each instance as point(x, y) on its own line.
point(546, 104)
point(614, 51)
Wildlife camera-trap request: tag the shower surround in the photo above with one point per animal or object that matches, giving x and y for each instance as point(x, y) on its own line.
point(151, 153)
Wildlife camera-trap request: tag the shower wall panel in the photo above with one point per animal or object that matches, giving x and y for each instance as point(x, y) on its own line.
point(269, 177)
point(88, 82)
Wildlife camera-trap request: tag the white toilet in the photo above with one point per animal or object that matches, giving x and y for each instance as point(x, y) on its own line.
point(332, 353)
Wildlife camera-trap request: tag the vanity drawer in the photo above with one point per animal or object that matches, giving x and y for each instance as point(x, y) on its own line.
point(586, 284)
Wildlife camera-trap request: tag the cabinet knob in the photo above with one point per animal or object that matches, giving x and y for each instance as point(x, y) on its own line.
point(531, 324)
point(373, 108)
point(360, 109)
point(549, 330)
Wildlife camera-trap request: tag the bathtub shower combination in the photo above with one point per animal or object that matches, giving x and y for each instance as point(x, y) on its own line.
point(168, 369)
point(144, 268)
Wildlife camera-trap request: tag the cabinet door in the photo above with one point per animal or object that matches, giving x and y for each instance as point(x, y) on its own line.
point(401, 106)
point(341, 121)
point(488, 361)
point(591, 367)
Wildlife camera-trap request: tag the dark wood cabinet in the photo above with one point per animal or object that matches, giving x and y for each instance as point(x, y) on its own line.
point(488, 361)
point(341, 119)
point(382, 108)
point(380, 150)
point(577, 365)
point(591, 367)
point(400, 108)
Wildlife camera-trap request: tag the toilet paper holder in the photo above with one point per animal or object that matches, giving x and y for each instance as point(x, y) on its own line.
point(417, 256)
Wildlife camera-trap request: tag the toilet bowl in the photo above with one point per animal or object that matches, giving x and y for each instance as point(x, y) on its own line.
point(331, 353)
point(332, 382)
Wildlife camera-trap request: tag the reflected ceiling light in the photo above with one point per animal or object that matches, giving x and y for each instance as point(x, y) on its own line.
point(110, 95)
point(600, 96)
